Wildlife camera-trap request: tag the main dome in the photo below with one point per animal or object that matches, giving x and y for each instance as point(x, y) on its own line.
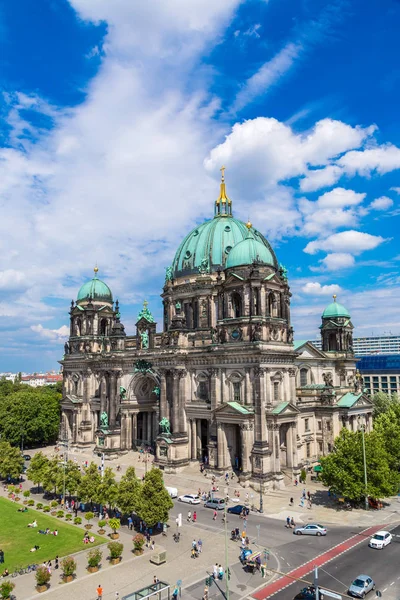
point(95, 289)
point(206, 248)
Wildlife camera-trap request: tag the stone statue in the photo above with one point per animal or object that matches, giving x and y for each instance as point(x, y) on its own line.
point(144, 336)
point(290, 335)
point(157, 391)
point(165, 426)
point(256, 333)
point(103, 421)
point(358, 382)
point(214, 335)
point(327, 377)
point(122, 392)
point(168, 274)
point(283, 272)
point(66, 348)
point(222, 335)
point(203, 268)
point(165, 338)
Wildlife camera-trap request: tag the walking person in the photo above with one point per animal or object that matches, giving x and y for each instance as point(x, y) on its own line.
point(215, 571)
point(194, 517)
point(56, 562)
point(189, 517)
point(215, 515)
point(288, 522)
point(205, 593)
point(130, 523)
point(200, 545)
point(99, 591)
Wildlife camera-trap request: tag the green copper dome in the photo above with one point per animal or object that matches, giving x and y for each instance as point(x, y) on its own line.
point(249, 251)
point(334, 309)
point(96, 290)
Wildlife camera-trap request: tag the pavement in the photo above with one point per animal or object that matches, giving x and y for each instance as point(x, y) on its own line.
point(267, 530)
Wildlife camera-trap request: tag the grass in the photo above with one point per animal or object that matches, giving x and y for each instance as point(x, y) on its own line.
point(16, 538)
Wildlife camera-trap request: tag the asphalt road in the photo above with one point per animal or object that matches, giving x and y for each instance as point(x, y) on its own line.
point(381, 565)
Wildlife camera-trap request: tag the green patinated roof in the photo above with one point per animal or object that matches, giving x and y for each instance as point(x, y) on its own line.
point(348, 400)
point(248, 251)
point(95, 289)
point(334, 309)
point(279, 408)
point(212, 241)
point(145, 313)
point(240, 408)
point(314, 386)
point(299, 344)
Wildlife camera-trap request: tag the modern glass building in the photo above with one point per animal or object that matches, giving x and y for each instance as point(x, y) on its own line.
point(381, 373)
point(364, 346)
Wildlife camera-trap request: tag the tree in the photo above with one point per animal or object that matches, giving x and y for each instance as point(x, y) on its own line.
point(154, 502)
point(128, 492)
point(90, 484)
point(108, 488)
point(37, 468)
point(72, 475)
point(51, 476)
point(11, 461)
point(382, 402)
point(387, 424)
point(343, 469)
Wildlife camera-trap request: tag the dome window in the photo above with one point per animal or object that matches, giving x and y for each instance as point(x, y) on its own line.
point(188, 254)
point(228, 249)
point(227, 228)
point(195, 233)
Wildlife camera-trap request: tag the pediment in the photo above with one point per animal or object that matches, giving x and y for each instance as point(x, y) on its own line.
point(285, 409)
point(233, 409)
point(308, 350)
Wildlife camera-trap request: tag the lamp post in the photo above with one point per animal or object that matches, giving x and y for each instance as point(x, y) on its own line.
point(261, 495)
point(361, 427)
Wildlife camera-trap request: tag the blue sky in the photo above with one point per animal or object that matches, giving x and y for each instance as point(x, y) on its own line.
point(116, 117)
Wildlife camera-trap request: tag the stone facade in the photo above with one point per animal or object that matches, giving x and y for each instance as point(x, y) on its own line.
point(224, 377)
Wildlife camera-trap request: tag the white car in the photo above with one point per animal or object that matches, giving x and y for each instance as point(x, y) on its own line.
point(380, 539)
point(190, 499)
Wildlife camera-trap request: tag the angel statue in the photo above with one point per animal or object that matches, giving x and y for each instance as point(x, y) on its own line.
point(104, 420)
point(165, 426)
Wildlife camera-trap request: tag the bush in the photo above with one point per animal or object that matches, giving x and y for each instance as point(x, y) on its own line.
point(89, 516)
point(6, 588)
point(42, 576)
point(26, 494)
point(303, 476)
point(68, 517)
point(12, 489)
point(31, 502)
point(115, 549)
point(68, 566)
point(78, 520)
point(115, 524)
point(60, 514)
point(138, 541)
point(39, 506)
point(46, 509)
point(94, 557)
point(102, 523)
point(54, 504)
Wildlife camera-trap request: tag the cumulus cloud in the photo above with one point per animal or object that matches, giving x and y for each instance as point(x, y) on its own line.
point(337, 261)
point(382, 159)
point(52, 334)
point(382, 203)
point(332, 210)
point(319, 178)
point(314, 288)
point(352, 242)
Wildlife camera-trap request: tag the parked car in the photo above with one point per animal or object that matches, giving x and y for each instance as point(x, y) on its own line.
point(173, 492)
point(310, 529)
point(190, 499)
point(238, 509)
point(380, 539)
point(215, 503)
point(361, 586)
point(26, 456)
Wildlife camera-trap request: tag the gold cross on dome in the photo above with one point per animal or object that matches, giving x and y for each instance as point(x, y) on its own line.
point(222, 169)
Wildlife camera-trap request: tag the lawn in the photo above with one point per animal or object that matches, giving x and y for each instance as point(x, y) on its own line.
point(16, 538)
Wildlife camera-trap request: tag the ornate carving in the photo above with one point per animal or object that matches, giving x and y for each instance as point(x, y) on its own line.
point(260, 371)
point(275, 333)
point(256, 332)
point(143, 366)
point(213, 372)
point(219, 425)
point(182, 373)
point(292, 372)
point(222, 335)
point(327, 377)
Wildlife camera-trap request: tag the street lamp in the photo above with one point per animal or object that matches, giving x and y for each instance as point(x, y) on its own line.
point(261, 495)
point(361, 427)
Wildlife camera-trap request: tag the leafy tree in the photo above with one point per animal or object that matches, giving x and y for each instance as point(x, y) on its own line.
point(154, 501)
point(382, 402)
point(88, 489)
point(37, 468)
point(128, 492)
point(73, 477)
point(343, 469)
point(51, 476)
point(387, 424)
point(108, 488)
point(11, 461)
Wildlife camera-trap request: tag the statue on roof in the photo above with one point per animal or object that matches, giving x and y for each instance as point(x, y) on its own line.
point(283, 272)
point(144, 340)
point(203, 268)
point(168, 274)
point(122, 392)
point(165, 426)
point(327, 377)
point(104, 421)
point(145, 313)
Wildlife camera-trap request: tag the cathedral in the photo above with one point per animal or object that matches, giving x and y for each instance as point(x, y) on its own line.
point(224, 382)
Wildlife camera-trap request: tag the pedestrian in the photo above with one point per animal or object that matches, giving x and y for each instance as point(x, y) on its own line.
point(194, 517)
point(309, 504)
point(215, 571)
point(291, 502)
point(200, 545)
point(215, 515)
point(288, 522)
point(189, 517)
point(309, 495)
point(194, 554)
point(205, 593)
point(302, 503)
point(155, 580)
point(220, 573)
point(194, 544)
point(292, 523)
point(116, 595)
point(99, 592)
point(56, 562)
point(130, 523)
point(177, 521)
point(263, 570)
point(304, 493)
point(296, 483)
point(152, 545)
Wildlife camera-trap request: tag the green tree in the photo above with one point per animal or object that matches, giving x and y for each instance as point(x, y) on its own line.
point(154, 502)
point(343, 469)
point(88, 489)
point(108, 489)
point(11, 461)
point(37, 468)
point(382, 402)
point(72, 475)
point(51, 476)
point(387, 424)
point(128, 492)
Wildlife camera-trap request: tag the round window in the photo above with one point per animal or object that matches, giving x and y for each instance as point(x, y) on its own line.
point(188, 254)
point(228, 249)
point(227, 228)
point(235, 334)
point(195, 232)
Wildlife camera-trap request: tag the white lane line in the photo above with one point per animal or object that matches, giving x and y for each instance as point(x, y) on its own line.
point(384, 590)
point(392, 583)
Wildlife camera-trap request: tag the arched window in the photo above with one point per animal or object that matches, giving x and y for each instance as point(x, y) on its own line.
point(303, 377)
point(78, 326)
point(103, 327)
point(276, 391)
point(332, 343)
point(272, 306)
point(236, 305)
point(237, 397)
point(257, 309)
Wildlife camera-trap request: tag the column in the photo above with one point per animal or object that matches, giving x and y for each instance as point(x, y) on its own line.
point(198, 444)
point(289, 446)
point(292, 385)
point(221, 445)
point(248, 395)
point(175, 403)
point(263, 295)
point(134, 427)
point(182, 401)
point(215, 389)
point(103, 394)
point(163, 395)
point(245, 447)
point(193, 439)
point(260, 416)
point(155, 425)
point(144, 426)
point(112, 414)
point(149, 428)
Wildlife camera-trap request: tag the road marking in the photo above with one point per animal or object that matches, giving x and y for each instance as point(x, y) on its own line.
point(384, 590)
point(318, 561)
point(392, 583)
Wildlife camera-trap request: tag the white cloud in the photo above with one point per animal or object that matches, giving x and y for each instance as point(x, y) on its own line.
point(336, 261)
point(320, 178)
point(339, 198)
point(52, 334)
point(381, 203)
point(314, 288)
point(352, 242)
point(332, 210)
point(396, 189)
point(382, 159)
point(253, 30)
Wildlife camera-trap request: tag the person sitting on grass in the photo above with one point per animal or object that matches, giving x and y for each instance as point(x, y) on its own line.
point(55, 532)
point(91, 539)
point(6, 573)
point(33, 524)
point(34, 549)
point(22, 509)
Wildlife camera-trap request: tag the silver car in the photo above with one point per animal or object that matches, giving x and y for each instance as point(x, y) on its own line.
point(310, 529)
point(361, 586)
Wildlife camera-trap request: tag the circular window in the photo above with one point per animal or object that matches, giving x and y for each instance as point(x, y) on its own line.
point(195, 232)
point(228, 249)
point(188, 254)
point(227, 228)
point(235, 334)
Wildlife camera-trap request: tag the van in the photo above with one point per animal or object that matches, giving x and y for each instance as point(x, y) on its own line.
point(173, 492)
point(215, 503)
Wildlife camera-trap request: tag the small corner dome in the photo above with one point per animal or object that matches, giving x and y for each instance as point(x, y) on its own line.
point(248, 251)
point(334, 309)
point(96, 289)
